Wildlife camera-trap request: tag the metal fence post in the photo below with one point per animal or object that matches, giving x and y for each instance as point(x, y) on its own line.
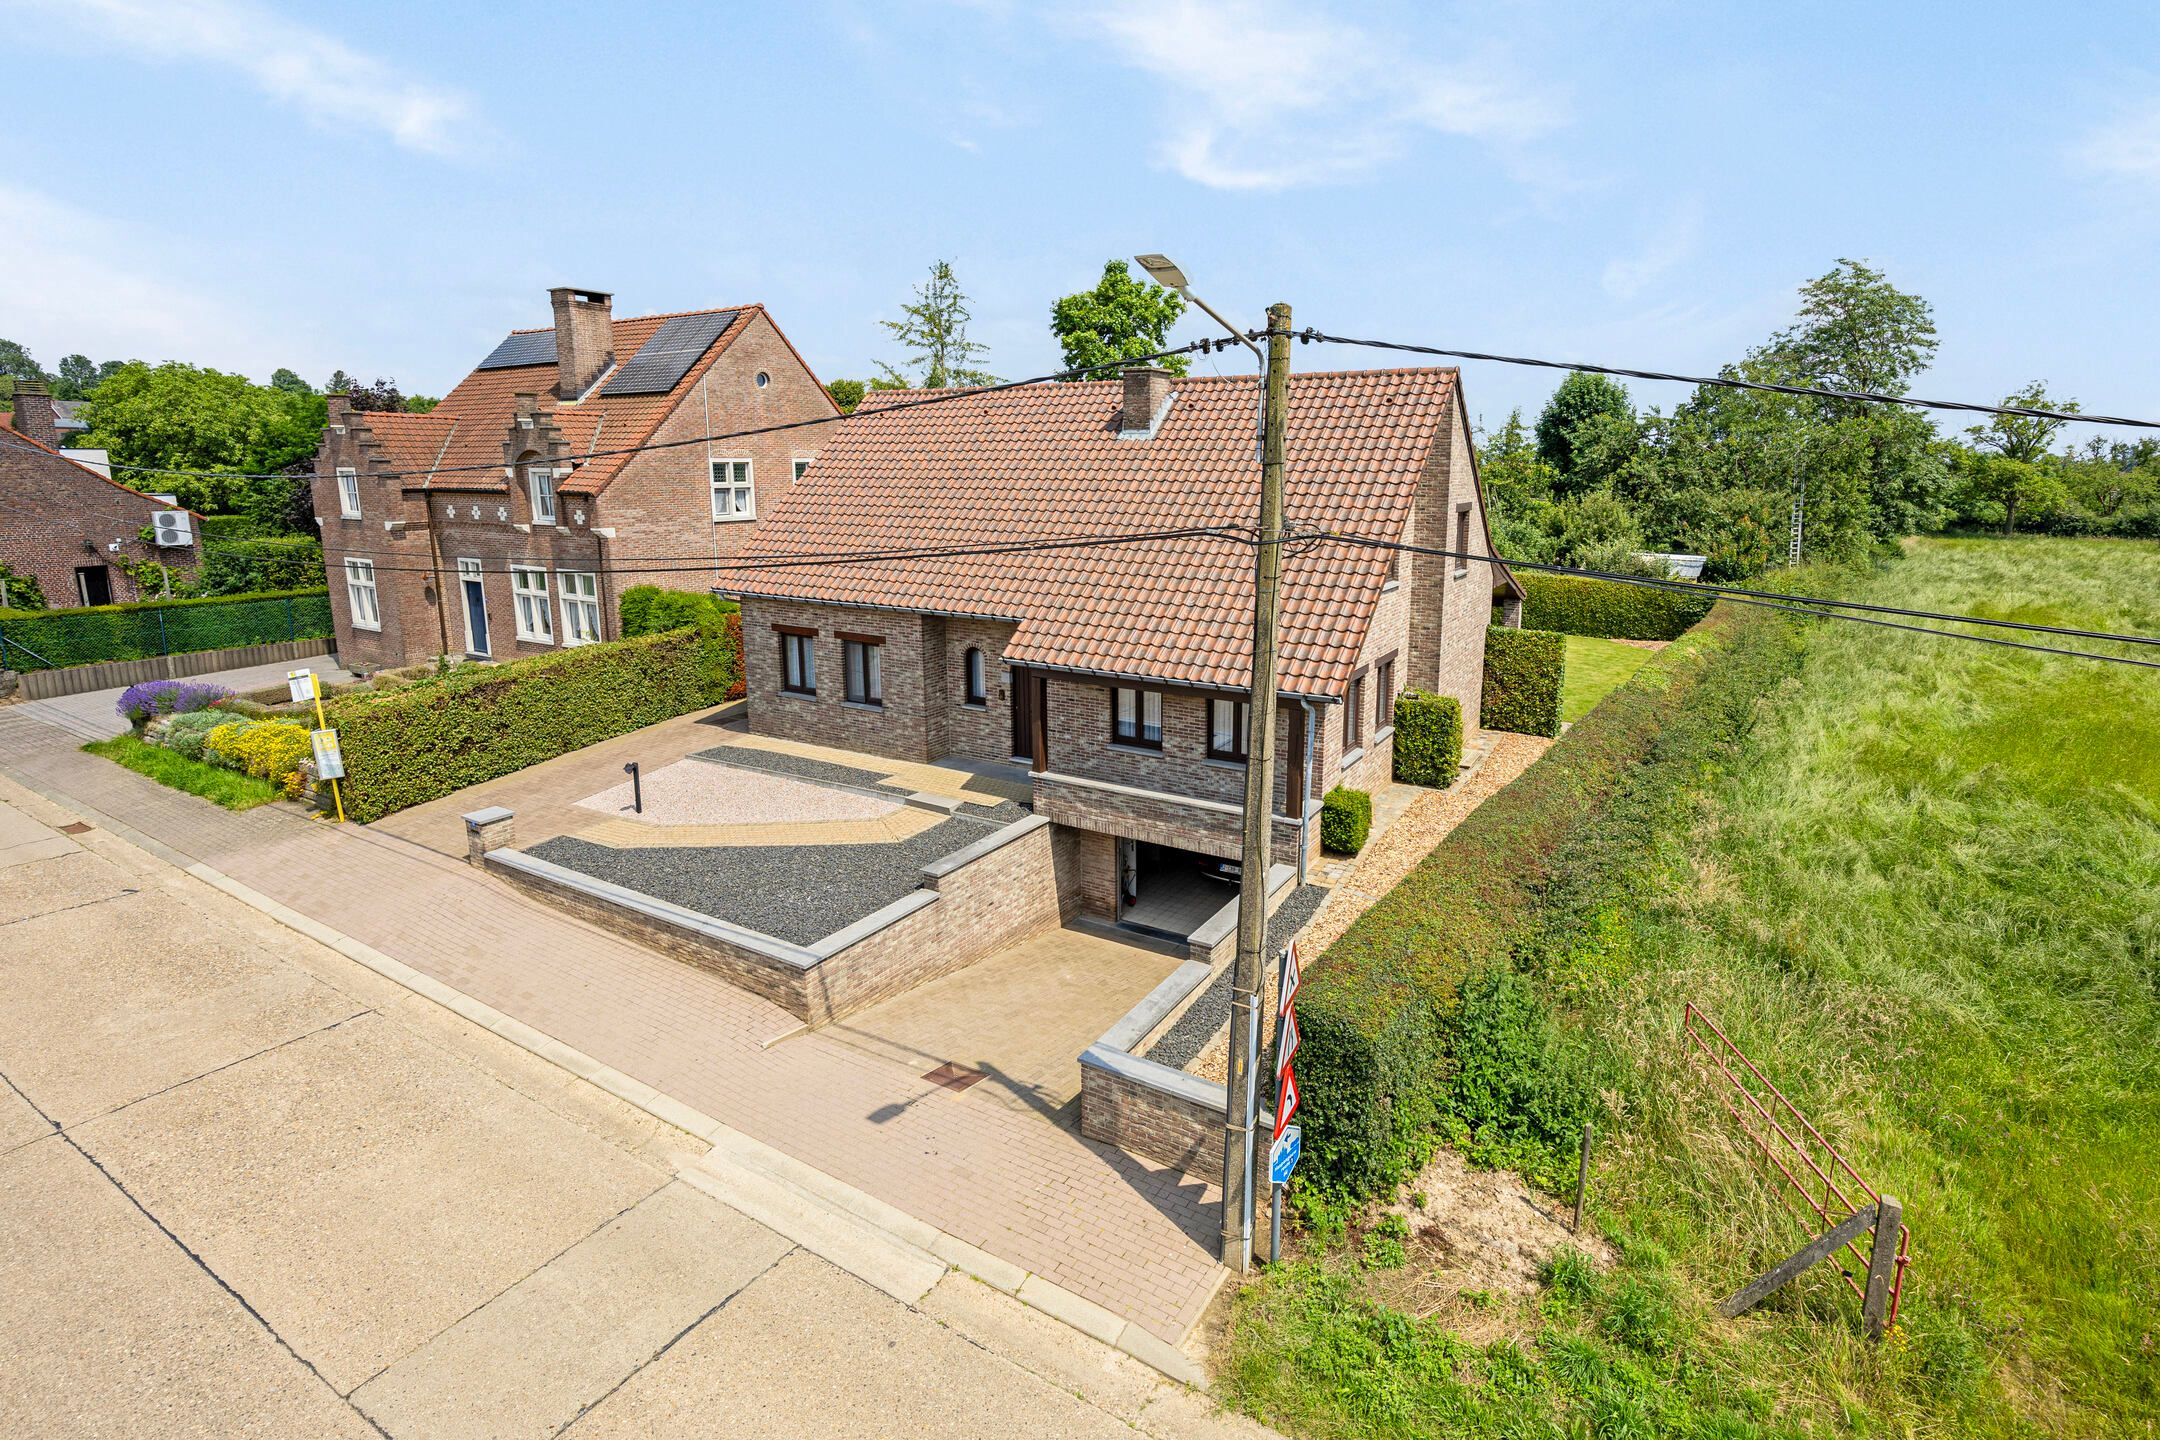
point(164, 645)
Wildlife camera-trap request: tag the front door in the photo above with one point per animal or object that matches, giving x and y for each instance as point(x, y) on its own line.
point(93, 583)
point(1023, 716)
point(476, 624)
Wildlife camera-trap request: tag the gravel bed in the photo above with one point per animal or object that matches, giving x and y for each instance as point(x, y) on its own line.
point(745, 757)
point(796, 893)
point(690, 792)
point(1210, 1012)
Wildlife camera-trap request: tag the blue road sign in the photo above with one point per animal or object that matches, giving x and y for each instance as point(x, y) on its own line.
point(1283, 1157)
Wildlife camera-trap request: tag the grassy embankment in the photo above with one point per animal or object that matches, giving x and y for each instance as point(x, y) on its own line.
point(1922, 889)
point(228, 788)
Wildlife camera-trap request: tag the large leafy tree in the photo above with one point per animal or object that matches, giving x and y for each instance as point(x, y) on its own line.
point(933, 329)
point(1519, 490)
point(1586, 413)
point(212, 424)
point(16, 364)
point(847, 394)
point(290, 382)
point(2023, 437)
point(75, 378)
point(1121, 319)
point(1857, 331)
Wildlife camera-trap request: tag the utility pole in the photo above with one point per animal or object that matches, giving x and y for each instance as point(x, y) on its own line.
point(1238, 1138)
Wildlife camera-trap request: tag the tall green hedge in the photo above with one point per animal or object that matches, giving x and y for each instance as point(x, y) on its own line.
point(648, 609)
point(1525, 671)
point(406, 746)
point(159, 627)
point(1428, 739)
point(1573, 605)
point(1382, 1064)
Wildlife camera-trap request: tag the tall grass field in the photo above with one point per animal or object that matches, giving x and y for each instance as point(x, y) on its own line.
point(1920, 886)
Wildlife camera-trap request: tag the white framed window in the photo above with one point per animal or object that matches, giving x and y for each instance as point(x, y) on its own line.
point(865, 670)
point(801, 467)
point(360, 591)
point(348, 492)
point(529, 588)
point(732, 496)
point(580, 606)
point(540, 484)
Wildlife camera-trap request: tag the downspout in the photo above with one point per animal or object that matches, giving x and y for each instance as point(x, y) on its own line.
point(600, 538)
point(1304, 813)
point(442, 596)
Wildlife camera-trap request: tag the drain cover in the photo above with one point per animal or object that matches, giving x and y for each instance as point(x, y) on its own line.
point(75, 827)
point(953, 1077)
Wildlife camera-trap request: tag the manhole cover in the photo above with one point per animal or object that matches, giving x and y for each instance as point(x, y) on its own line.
point(75, 827)
point(953, 1077)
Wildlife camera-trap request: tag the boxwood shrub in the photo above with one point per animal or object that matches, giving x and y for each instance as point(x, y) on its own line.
point(160, 627)
point(1345, 820)
point(1573, 605)
point(1525, 671)
point(1428, 739)
point(1406, 1030)
point(481, 721)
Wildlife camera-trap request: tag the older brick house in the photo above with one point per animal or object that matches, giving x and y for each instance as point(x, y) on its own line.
point(499, 524)
point(65, 525)
point(1117, 673)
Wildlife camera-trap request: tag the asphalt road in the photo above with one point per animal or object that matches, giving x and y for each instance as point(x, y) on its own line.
point(250, 1188)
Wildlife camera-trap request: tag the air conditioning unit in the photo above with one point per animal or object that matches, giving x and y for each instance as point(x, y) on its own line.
point(172, 527)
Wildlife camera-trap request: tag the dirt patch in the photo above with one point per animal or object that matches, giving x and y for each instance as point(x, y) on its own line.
point(1641, 644)
point(1476, 1246)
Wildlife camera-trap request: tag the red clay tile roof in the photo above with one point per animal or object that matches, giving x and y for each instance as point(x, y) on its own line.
point(10, 435)
point(468, 427)
point(1047, 461)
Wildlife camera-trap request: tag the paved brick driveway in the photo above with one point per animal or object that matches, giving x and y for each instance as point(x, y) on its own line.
point(1132, 1237)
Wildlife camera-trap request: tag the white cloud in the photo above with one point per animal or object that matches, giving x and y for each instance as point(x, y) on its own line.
point(1261, 95)
point(1674, 240)
point(309, 69)
point(2126, 148)
point(81, 284)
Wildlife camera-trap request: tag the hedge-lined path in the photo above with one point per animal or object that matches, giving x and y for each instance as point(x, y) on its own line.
point(91, 714)
point(1131, 1237)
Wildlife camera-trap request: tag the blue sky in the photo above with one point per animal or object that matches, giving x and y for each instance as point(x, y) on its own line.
point(388, 188)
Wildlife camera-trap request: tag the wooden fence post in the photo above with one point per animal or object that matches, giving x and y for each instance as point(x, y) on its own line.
point(1882, 1266)
point(1809, 1255)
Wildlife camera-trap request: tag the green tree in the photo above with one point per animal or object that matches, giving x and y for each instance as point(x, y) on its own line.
point(181, 417)
point(1519, 493)
point(383, 395)
point(1599, 532)
point(1120, 320)
point(338, 383)
point(421, 404)
point(1857, 331)
point(290, 382)
point(75, 378)
point(934, 331)
point(16, 364)
point(2023, 437)
point(1582, 405)
point(108, 368)
point(2001, 486)
point(847, 394)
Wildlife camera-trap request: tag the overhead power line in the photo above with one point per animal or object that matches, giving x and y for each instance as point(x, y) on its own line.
point(1734, 382)
point(947, 397)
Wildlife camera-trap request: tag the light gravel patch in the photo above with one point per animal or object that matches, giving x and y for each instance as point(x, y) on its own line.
point(693, 792)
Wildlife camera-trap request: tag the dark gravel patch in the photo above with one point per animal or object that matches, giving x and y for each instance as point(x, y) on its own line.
point(1207, 1015)
point(797, 893)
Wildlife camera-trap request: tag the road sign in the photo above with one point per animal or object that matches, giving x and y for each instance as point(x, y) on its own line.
point(1290, 979)
point(302, 685)
point(1283, 1156)
point(1286, 1042)
point(329, 760)
point(1286, 1102)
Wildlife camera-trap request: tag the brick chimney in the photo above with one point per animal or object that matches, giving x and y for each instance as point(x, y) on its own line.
point(34, 413)
point(1146, 392)
point(584, 338)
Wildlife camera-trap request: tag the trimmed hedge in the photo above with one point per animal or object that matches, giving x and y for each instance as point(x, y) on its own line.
point(1428, 739)
point(1345, 820)
point(1525, 672)
point(1388, 1031)
point(159, 627)
point(650, 610)
point(481, 721)
point(1608, 609)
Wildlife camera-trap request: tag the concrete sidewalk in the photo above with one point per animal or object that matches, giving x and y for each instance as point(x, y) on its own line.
point(1128, 1237)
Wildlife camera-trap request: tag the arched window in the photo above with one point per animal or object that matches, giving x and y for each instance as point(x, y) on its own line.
point(978, 680)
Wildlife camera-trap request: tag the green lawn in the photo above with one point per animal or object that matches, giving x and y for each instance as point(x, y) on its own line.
point(228, 788)
point(1596, 668)
point(1923, 892)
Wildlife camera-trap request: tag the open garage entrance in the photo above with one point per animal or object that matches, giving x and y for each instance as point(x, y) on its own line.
point(1169, 892)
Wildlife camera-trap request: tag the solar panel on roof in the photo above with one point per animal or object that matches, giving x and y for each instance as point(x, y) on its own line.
point(532, 347)
point(662, 361)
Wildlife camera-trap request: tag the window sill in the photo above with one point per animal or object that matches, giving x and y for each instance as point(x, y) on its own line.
point(1462, 574)
point(1391, 587)
point(1380, 735)
point(979, 705)
point(349, 515)
point(524, 639)
point(734, 519)
point(810, 695)
point(1224, 763)
point(376, 628)
point(875, 707)
point(1134, 747)
point(1351, 757)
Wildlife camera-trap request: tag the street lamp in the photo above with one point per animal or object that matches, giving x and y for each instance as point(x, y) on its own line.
point(1256, 850)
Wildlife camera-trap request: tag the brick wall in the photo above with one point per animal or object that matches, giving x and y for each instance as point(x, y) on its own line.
point(1080, 744)
point(1154, 1124)
point(899, 729)
point(1206, 826)
point(1451, 601)
point(56, 516)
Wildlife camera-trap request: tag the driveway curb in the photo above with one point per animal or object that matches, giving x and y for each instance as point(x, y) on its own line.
point(804, 1204)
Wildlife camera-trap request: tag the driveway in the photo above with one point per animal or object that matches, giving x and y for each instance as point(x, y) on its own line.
point(248, 1187)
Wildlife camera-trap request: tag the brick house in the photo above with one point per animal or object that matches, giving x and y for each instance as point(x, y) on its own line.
point(1118, 674)
point(65, 525)
point(505, 500)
